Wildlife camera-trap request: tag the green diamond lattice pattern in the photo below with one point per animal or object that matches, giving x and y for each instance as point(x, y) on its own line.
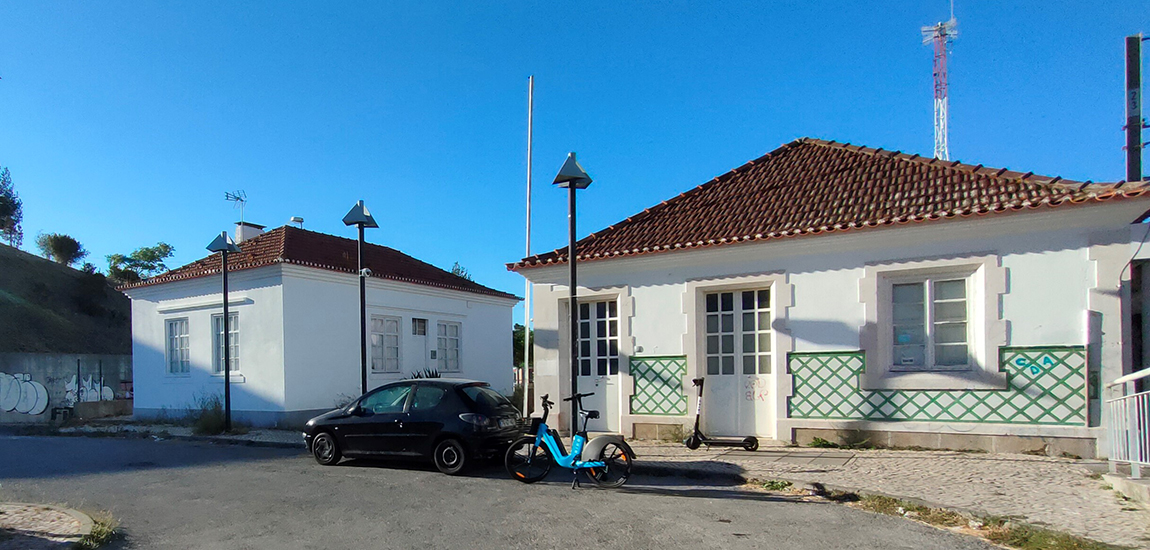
point(659, 385)
point(1045, 385)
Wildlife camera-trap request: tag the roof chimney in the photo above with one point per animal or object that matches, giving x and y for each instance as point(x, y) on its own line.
point(247, 230)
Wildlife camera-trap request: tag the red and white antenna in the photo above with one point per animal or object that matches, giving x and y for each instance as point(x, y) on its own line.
point(940, 36)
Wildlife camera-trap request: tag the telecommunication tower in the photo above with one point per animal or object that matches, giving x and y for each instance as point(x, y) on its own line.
point(940, 37)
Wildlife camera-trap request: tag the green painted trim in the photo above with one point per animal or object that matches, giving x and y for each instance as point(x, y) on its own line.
point(658, 388)
point(1046, 385)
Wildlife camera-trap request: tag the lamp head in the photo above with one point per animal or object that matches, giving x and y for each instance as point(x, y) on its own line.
point(223, 243)
point(571, 174)
point(358, 215)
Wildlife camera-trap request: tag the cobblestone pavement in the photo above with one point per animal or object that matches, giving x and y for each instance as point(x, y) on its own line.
point(34, 527)
point(1059, 493)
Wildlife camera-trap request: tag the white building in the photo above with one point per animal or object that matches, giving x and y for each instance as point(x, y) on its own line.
point(294, 302)
point(835, 291)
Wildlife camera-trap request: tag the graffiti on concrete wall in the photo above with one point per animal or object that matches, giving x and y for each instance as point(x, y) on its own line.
point(86, 390)
point(18, 393)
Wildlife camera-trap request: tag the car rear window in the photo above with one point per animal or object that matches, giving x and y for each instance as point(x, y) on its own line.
point(486, 397)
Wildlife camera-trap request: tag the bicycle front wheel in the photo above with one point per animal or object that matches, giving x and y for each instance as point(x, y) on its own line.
point(526, 461)
point(617, 466)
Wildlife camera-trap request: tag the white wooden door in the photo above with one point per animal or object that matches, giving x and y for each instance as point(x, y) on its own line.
point(738, 342)
point(599, 362)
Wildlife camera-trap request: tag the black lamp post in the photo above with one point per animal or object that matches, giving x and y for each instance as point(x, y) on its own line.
point(572, 176)
point(224, 245)
point(361, 218)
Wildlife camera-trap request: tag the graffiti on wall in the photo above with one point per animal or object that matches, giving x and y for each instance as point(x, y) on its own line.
point(755, 389)
point(18, 393)
point(86, 390)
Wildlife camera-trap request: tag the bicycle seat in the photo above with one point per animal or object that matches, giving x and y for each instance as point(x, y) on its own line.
point(591, 415)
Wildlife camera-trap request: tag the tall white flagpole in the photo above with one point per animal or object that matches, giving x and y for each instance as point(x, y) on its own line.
point(527, 283)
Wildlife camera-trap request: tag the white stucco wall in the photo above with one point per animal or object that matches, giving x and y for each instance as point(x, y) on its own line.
point(1058, 264)
point(321, 311)
point(256, 295)
point(299, 339)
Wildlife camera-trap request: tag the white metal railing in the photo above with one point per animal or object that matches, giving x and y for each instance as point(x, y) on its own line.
point(1128, 424)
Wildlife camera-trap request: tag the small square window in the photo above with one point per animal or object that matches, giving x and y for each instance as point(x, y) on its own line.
point(419, 327)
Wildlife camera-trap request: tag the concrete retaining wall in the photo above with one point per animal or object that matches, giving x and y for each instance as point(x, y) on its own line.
point(33, 384)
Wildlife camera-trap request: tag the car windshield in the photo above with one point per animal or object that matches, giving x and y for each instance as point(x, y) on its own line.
point(486, 397)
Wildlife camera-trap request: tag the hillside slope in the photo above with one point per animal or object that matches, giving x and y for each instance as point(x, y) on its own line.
point(46, 307)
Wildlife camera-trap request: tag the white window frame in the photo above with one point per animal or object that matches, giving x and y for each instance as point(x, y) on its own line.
point(443, 346)
point(596, 343)
point(177, 344)
point(987, 331)
point(379, 343)
point(714, 341)
point(418, 323)
point(930, 321)
point(233, 340)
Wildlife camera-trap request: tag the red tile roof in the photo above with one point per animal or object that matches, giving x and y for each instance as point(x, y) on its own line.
point(292, 245)
point(812, 186)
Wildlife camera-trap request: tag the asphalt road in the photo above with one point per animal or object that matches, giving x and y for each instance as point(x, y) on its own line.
point(176, 495)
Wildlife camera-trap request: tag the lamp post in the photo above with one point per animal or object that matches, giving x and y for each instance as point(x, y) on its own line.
point(572, 176)
point(224, 245)
point(361, 218)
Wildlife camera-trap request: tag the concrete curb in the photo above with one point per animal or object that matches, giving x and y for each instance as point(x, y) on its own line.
point(86, 523)
point(238, 442)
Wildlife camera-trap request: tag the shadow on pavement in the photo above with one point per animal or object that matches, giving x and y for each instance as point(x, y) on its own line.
point(30, 457)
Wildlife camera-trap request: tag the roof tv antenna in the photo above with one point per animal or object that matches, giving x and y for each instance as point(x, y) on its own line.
point(941, 35)
point(240, 199)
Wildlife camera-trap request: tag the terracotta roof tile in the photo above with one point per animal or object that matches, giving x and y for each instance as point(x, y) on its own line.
point(812, 186)
point(297, 246)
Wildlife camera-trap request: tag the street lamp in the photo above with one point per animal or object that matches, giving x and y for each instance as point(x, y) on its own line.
point(572, 176)
point(361, 218)
point(224, 245)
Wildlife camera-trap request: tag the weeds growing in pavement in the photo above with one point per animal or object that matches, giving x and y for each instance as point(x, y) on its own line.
point(103, 532)
point(999, 530)
point(776, 485)
point(208, 416)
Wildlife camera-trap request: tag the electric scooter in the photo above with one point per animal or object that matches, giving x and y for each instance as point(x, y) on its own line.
point(697, 438)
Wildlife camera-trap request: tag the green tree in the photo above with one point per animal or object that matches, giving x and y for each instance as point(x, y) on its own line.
point(142, 263)
point(517, 350)
point(461, 271)
point(60, 248)
point(11, 211)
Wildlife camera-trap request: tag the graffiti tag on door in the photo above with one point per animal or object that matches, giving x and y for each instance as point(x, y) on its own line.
point(755, 389)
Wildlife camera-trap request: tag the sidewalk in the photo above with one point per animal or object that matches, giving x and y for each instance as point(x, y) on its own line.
point(1063, 494)
point(40, 527)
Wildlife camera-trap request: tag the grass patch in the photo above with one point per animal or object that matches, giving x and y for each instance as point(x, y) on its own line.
point(1029, 537)
point(820, 443)
point(103, 532)
point(1094, 475)
point(208, 416)
point(1000, 530)
point(896, 507)
point(776, 485)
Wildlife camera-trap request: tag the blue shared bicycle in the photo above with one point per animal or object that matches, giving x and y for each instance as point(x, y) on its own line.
point(606, 460)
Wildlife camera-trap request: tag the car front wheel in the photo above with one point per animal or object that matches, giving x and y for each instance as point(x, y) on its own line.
point(450, 457)
point(325, 450)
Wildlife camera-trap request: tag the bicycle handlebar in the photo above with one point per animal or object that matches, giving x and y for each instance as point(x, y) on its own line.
point(579, 396)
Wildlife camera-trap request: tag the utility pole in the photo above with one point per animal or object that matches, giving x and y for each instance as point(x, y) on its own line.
point(1134, 122)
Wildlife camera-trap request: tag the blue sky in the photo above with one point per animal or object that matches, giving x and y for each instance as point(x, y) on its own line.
point(123, 123)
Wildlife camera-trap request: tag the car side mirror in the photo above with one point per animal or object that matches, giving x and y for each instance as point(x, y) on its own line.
point(360, 411)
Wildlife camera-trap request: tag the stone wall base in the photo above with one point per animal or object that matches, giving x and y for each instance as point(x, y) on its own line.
point(103, 409)
point(653, 431)
point(1049, 446)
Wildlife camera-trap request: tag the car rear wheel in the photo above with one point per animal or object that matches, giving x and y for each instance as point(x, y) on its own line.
point(450, 457)
point(325, 450)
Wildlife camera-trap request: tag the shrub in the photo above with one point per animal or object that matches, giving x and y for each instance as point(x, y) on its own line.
point(821, 443)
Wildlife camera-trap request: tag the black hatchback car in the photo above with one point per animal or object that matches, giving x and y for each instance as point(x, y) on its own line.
point(450, 421)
